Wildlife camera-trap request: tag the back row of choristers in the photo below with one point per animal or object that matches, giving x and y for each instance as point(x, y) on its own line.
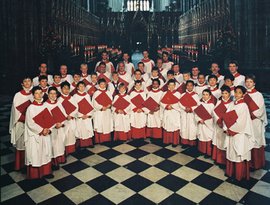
point(224, 119)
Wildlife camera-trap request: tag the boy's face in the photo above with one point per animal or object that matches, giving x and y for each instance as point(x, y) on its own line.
point(102, 68)
point(225, 95)
point(115, 77)
point(27, 83)
point(76, 78)
point(154, 73)
point(189, 87)
point(228, 82)
point(102, 85)
point(43, 83)
point(201, 79)
point(171, 86)
point(138, 86)
point(38, 95)
point(176, 68)
point(165, 57)
point(125, 57)
point(159, 63)
point(122, 89)
point(52, 95)
point(81, 88)
point(186, 76)
point(65, 90)
point(238, 94)
point(145, 54)
point(212, 82)
point(141, 67)
point(94, 78)
point(170, 76)
point(57, 79)
point(155, 85)
point(205, 96)
point(137, 75)
point(249, 83)
point(104, 56)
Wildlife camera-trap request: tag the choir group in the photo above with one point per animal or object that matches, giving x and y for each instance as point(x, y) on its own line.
point(223, 116)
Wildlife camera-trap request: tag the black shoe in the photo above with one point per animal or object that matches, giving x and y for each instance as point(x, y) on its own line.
point(222, 166)
point(91, 146)
point(174, 145)
point(206, 157)
point(184, 146)
point(49, 176)
point(55, 167)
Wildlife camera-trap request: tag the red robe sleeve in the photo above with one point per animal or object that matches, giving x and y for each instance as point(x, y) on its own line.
point(252, 106)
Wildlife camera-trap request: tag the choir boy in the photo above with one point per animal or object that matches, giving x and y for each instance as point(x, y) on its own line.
point(84, 128)
point(228, 81)
point(219, 151)
point(238, 78)
point(138, 115)
point(71, 108)
point(93, 86)
point(213, 87)
point(57, 81)
point(121, 108)
point(21, 102)
point(103, 120)
point(255, 102)
point(73, 85)
point(205, 130)
point(137, 76)
point(189, 100)
point(109, 67)
point(239, 137)
point(201, 85)
point(153, 110)
point(38, 145)
point(171, 115)
point(43, 84)
point(154, 75)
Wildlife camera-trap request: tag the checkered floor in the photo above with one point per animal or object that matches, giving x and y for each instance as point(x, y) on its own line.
point(137, 172)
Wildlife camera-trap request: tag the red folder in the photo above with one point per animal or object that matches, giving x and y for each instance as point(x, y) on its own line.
point(213, 99)
point(103, 99)
point(121, 103)
point(149, 87)
point(169, 98)
point(187, 100)
point(57, 114)
point(252, 106)
point(44, 119)
point(202, 113)
point(68, 106)
point(181, 89)
point(101, 75)
point(23, 107)
point(84, 107)
point(220, 110)
point(150, 104)
point(165, 87)
point(91, 90)
point(230, 118)
point(121, 80)
point(86, 81)
point(138, 101)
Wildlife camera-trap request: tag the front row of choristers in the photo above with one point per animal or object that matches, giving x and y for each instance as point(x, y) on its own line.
point(230, 129)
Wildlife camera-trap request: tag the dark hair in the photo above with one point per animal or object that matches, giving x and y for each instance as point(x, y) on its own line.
point(42, 77)
point(80, 83)
point(225, 88)
point(145, 50)
point(115, 72)
point(65, 83)
point(229, 76)
point(201, 74)
point(140, 63)
point(214, 62)
point(165, 53)
point(186, 72)
point(137, 81)
point(34, 89)
point(76, 73)
point(101, 63)
point(242, 88)
point(56, 74)
point(234, 62)
point(155, 69)
point(94, 73)
point(171, 81)
point(156, 80)
point(170, 72)
point(104, 52)
point(159, 59)
point(207, 91)
point(212, 76)
point(121, 85)
point(52, 88)
point(138, 70)
point(190, 81)
point(101, 80)
point(251, 77)
point(26, 77)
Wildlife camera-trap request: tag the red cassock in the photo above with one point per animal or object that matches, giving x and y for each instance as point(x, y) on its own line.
point(84, 107)
point(252, 106)
point(22, 109)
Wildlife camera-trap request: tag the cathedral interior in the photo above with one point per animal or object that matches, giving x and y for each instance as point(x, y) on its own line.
point(72, 32)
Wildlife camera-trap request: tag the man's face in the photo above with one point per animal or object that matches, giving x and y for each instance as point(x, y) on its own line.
point(201, 79)
point(176, 68)
point(165, 57)
point(121, 67)
point(233, 68)
point(43, 68)
point(63, 69)
point(125, 57)
point(195, 71)
point(214, 68)
point(159, 63)
point(84, 69)
point(27, 83)
point(145, 54)
point(104, 56)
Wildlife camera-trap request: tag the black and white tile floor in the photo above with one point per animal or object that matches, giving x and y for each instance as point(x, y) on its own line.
point(137, 172)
